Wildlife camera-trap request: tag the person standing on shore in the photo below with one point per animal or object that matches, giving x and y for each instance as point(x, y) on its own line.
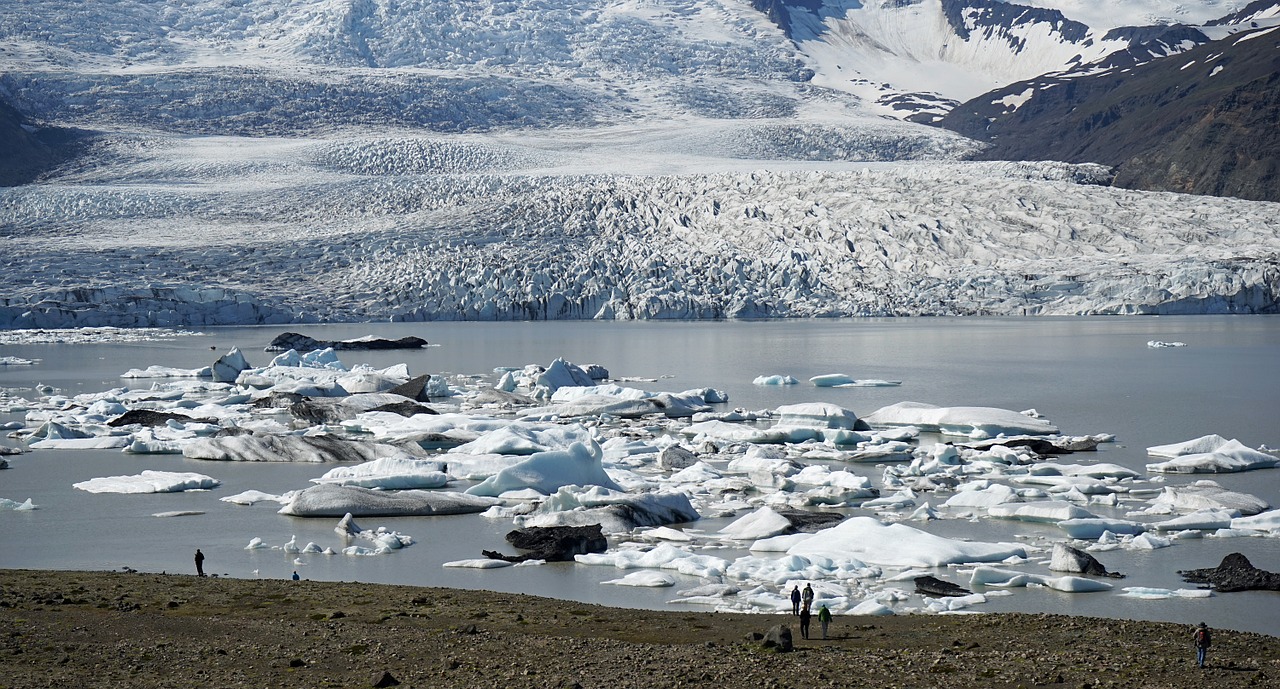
point(199, 563)
point(795, 600)
point(807, 596)
point(1201, 637)
point(804, 622)
point(824, 619)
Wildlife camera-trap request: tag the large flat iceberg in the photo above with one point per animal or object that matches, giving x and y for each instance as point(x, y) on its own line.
point(972, 422)
point(897, 545)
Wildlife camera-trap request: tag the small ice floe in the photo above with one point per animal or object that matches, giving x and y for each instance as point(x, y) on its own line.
point(252, 497)
point(1048, 512)
point(664, 556)
point(1203, 495)
point(1203, 520)
point(840, 380)
point(871, 607)
point(548, 471)
point(16, 361)
point(874, 542)
point(1150, 593)
point(615, 511)
point(1005, 578)
point(477, 563)
point(327, 500)
point(762, 523)
point(1160, 344)
point(775, 380)
point(644, 579)
point(289, 448)
point(7, 504)
point(389, 473)
point(1266, 521)
point(1210, 454)
point(972, 422)
point(384, 539)
point(168, 372)
point(178, 513)
point(1095, 527)
point(149, 482)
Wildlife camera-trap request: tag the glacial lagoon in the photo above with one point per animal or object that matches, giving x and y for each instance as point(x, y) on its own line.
point(1085, 375)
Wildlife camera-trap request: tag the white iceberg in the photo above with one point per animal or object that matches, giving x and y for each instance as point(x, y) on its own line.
point(1210, 454)
point(326, 500)
point(389, 473)
point(548, 471)
point(973, 422)
point(898, 545)
point(149, 482)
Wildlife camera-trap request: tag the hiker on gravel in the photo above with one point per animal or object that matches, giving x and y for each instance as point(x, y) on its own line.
point(795, 600)
point(1201, 637)
point(804, 622)
point(824, 619)
point(199, 563)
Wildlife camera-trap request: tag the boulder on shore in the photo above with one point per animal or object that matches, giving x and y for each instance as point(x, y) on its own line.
point(778, 638)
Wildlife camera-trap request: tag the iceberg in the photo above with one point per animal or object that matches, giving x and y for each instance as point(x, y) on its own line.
point(973, 422)
point(1210, 454)
point(149, 482)
point(328, 500)
point(1206, 495)
point(898, 545)
point(389, 473)
point(289, 448)
point(548, 471)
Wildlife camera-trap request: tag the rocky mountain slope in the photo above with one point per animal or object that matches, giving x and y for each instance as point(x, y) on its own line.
point(1202, 122)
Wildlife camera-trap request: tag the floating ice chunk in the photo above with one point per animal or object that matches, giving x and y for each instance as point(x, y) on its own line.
point(614, 511)
point(1094, 527)
point(898, 545)
point(560, 374)
point(252, 497)
point(178, 513)
point(16, 361)
point(389, 473)
point(818, 415)
point(1160, 344)
point(1265, 521)
point(644, 579)
point(168, 372)
point(524, 438)
point(1050, 511)
point(779, 544)
point(1206, 495)
point(725, 432)
point(149, 482)
point(7, 504)
point(871, 607)
point(964, 421)
point(668, 534)
point(954, 603)
point(256, 543)
point(830, 380)
point(762, 523)
point(1200, 519)
point(327, 500)
point(970, 495)
point(991, 576)
point(1225, 457)
point(664, 556)
point(289, 448)
point(548, 471)
point(111, 442)
point(1151, 593)
point(775, 380)
point(1148, 541)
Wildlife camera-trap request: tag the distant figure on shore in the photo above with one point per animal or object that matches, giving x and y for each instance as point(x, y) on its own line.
point(804, 622)
point(808, 595)
point(795, 600)
point(199, 563)
point(824, 619)
point(295, 575)
point(1201, 637)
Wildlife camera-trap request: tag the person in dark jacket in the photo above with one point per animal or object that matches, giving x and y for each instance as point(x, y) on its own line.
point(1201, 639)
point(199, 563)
point(795, 600)
point(804, 622)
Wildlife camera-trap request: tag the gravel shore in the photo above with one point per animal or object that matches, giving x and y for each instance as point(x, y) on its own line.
point(103, 629)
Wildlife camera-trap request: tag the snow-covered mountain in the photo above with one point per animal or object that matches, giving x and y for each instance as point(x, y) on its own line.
point(294, 160)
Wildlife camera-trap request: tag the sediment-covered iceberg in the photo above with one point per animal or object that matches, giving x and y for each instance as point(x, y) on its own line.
point(327, 500)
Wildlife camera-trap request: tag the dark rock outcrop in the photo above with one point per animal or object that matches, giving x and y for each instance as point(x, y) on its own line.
point(553, 543)
point(930, 585)
point(302, 343)
point(1234, 573)
point(1203, 123)
point(150, 417)
point(1068, 559)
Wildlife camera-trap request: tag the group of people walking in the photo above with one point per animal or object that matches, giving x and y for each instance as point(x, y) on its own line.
point(802, 604)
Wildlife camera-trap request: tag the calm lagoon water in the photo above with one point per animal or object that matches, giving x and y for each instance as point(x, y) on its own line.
point(1087, 375)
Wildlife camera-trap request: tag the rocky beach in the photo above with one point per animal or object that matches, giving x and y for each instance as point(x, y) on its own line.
point(146, 630)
